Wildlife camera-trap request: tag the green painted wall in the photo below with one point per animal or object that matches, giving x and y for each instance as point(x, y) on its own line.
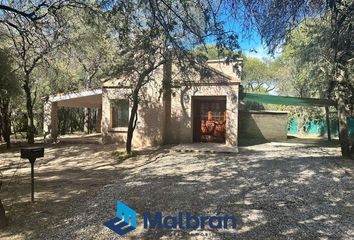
point(262, 126)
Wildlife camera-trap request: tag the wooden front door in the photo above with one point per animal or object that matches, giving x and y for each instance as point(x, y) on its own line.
point(209, 119)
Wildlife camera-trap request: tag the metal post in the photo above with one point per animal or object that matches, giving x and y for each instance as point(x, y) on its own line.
point(32, 179)
point(32, 153)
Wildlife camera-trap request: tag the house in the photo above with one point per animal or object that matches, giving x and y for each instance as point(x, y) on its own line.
point(200, 107)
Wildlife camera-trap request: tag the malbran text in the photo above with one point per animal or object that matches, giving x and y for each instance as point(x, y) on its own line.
point(188, 222)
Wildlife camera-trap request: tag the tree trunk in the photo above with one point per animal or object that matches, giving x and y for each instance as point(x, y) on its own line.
point(302, 121)
point(29, 107)
point(340, 76)
point(7, 128)
point(1, 134)
point(132, 121)
point(166, 86)
point(134, 111)
point(3, 219)
point(5, 122)
point(343, 125)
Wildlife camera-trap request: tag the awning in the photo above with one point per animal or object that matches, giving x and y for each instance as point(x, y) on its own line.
point(283, 100)
point(88, 98)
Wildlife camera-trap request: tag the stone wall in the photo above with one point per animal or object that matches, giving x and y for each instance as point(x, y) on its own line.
point(149, 124)
point(166, 117)
point(182, 112)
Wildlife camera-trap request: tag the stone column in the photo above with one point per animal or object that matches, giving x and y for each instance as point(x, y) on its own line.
point(232, 116)
point(50, 123)
point(54, 122)
point(106, 116)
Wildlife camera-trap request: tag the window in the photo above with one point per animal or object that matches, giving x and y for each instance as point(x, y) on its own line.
point(120, 113)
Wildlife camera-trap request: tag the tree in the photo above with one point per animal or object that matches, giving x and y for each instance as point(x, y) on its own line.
point(142, 50)
point(276, 19)
point(32, 35)
point(32, 11)
point(29, 49)
point(9, 89)
point(342, 18)
point(314, 64)
point(307, 51)
point(93, 49)
point(211, 51)
point(153, 33)
point(258, 75)
point(35, 28)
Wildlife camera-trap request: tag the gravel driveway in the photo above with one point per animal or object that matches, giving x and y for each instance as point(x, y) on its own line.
point(277, 191)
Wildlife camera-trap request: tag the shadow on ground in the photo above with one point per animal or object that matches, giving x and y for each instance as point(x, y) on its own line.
point(276, 191)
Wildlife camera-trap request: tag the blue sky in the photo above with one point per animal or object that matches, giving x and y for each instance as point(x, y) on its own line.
point(253, 47)
point(249, 38)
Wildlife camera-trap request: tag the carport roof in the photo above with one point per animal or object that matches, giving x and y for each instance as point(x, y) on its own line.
point(284, 100)
point(87, 98)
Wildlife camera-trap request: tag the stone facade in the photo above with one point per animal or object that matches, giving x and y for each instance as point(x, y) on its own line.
point(148, 131)
point(182, 109)
point(167, 117)
point(166, 113)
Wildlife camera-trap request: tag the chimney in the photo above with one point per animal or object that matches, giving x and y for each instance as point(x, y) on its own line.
point(230, 66)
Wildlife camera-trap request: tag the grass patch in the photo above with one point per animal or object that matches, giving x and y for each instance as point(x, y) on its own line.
point(122, 155)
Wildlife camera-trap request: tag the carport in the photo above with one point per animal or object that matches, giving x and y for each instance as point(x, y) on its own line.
point(83, 99)
point(293, 101)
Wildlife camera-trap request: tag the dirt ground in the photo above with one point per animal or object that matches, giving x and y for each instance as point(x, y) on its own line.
point(276, 191)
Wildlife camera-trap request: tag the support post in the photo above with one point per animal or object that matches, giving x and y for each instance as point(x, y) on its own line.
point(99, 120)
point(32, 180)
point(54, 122)
point(328, 123)
point(50, 121)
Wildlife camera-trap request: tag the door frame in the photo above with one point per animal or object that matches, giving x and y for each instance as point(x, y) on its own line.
point(196, 118)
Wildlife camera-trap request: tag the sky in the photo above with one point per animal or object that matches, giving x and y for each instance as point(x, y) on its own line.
point(253, 47)
point(249, 39)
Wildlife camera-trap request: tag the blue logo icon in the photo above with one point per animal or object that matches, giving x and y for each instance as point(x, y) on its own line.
point(124, 222)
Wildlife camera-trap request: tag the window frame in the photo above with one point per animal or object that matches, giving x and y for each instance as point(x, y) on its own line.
point(113, 103)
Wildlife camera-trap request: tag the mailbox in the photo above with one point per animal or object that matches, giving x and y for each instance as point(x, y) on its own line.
point(32, 153)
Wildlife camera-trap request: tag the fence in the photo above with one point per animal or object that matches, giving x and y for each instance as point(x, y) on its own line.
point(319, 126)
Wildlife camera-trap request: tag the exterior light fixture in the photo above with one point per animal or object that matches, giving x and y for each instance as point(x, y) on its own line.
point(186, 98)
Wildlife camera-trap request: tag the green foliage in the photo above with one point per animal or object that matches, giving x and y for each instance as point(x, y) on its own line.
point(210, 52)
point(259, 75)
point(9, 85)
point(9, 88)
point(308, 58)
point(122, 155)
